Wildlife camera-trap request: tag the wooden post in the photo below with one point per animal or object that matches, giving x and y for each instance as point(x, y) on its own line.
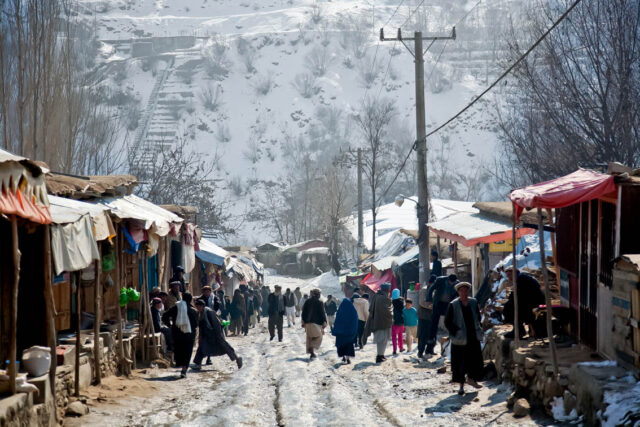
point(438, 245)
point(13, 338)
point(123, 361)
point(455, 258)
point(547, 295)
point(552, 219)
point(142, 328)
point(51, 310)
point(97, 349)
point(514, 281)
point(78, 342)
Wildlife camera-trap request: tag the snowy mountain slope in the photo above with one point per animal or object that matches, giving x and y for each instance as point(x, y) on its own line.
point(257, 74)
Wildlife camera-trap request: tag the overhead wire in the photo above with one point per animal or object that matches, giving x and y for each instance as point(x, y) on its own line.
point(413, 147)
point(508, 70)
point(502, 76)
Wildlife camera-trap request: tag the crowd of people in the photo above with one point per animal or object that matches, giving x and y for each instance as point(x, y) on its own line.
point(385, 315)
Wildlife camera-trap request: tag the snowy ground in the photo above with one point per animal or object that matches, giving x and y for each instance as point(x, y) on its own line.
point(280, 386)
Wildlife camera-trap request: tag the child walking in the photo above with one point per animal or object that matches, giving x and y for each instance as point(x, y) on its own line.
point(397, 329)
point(410, 316)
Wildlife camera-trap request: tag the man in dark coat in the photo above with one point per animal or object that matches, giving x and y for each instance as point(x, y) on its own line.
point(436, 265)
point(425, 312)
point(530, 296)
point(212, 341)
point(463, 323)
point(275, 312)
point(440, 294)
point(331, 308)
point(248, 300)
point(178, 276)
point(314, 320)
point(158, 325)
point(210, 299)
point(238, 309)
point(183, 319)
point(265, 291)
point(381, 319)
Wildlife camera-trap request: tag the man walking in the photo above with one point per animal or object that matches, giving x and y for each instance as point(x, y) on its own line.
point(440, 294)
point(276, 311)
point(331, 308)
point(425, 313)
point(300, 303)
point(381, 319)
point(314, 320)
point(463, 322)
point(212, 341)
point(290, 303)
point(362, 307)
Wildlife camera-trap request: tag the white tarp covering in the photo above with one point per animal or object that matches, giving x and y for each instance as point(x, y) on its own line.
point(64, 211)
point(470, 226)
point(391, 218)
point(384, 263)
point(73, 244)
point(133, 207)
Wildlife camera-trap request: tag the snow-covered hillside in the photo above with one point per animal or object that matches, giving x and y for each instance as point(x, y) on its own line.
point(242, 79)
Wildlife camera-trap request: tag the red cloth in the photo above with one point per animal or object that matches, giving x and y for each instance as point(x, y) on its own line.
point(374, 284)
point(579, 186)
point(18, 204)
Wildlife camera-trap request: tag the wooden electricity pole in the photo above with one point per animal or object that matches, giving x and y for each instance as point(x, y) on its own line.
point(421, 144)
point(360, 215)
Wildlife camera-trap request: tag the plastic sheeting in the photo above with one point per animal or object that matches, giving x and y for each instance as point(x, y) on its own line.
point(22, 188)
point(153, 217)
point(64, 211)
point(211, 253)
point(373, 282)
point(579, 186)
point(73, 245)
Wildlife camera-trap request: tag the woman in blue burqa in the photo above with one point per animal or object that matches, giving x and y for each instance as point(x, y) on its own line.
point(345, 327)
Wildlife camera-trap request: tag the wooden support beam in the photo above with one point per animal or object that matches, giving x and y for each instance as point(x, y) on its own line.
point(97, 350)
point(13, 336)
point(514, 281)
point(78, 341)
point(547, 295)
point(51, 310)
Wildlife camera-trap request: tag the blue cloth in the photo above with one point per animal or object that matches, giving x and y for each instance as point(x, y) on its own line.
point(395, 294)
point(410, 316)
point(345, 328)
point(133, 246)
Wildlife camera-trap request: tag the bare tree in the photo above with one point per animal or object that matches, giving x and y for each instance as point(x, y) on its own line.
point(577, 99)
point(373, 120)
point(335, 204)
point(177, 174)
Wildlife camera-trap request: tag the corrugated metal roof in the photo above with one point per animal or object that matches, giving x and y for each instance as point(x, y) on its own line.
point(469, 228)
point(384, 263)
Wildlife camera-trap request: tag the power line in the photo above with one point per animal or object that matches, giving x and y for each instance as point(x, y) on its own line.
point(411, 14)
point(546, 33)
point(393, 14)
point(503, 75)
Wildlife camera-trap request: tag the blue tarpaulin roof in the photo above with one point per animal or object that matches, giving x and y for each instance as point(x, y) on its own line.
point(211, 253)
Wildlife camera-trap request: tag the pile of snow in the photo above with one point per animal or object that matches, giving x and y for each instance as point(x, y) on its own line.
point(328, 283)
point(623, 405)
point(557, 409)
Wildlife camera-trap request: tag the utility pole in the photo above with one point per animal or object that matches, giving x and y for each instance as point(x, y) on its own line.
point(421, 145)
point(360, 216)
